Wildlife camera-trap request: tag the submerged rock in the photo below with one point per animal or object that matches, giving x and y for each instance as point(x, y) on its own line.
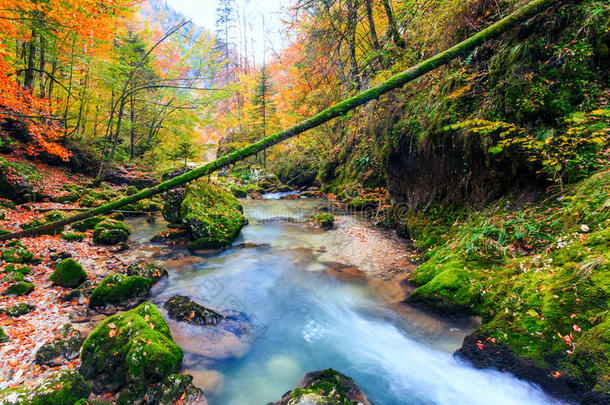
point(325, 387)
point(65, 347)
point(69, 274)
point(121, 290)
point(133, 350)
point(184, 309)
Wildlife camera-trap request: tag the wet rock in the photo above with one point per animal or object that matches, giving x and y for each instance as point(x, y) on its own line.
point(133, 350)
point(169, 235)
point(64, 348)
point(19, 288)
point(118, 289)
point(172, 199)
point(231, 338)
point(324, 220)
point(210, 381)
point(15, 186)
point(184, 309)
point(60, 256)
point(69, 274)
point(19, 309)
point(64, 387)
point(176, 388)
point(148, 270)
point(3, 336)
point(110, 232)
point(325, 387)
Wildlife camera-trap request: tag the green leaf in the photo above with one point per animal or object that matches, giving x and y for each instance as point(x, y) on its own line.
point(532, 312)
point(494, 150)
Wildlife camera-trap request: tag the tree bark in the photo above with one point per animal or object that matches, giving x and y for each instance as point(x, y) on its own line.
point(398, 40)
point(372, 30)
point(395, 82)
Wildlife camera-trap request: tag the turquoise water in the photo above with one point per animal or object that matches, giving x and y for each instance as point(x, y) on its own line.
point(304, 320)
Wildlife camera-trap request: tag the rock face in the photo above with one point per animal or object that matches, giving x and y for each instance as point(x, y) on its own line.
point(325, 387)
point(211, 216)
point(64, 348)
point(69, 274)
point(184, 309)
point(118, 289)
point(132, 350)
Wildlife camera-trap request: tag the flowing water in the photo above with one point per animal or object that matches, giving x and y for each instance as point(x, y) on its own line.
point(305, 320)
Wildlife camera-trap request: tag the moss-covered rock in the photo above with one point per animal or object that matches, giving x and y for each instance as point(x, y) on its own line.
point(3, 336)
point(63, 348)
point(239, 192)
point(169, 235)
point(10, 268)
point(53, 216)
point(133, 349)
point(87, 223)
point(19, 288)
point(110, 232)
point(117, 215)
point(72, 236)
point(69, 274)
point(210, 212)
point(175, 388)
point(208, 243)
point(325, 387)
point(18, 309)
point(324, 220)
point(186, 310)
point(148, 270)
point(118, 289)
point(63, 388)
point(17, 255)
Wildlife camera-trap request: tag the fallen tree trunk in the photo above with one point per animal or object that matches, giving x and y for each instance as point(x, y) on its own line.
point(396, 81)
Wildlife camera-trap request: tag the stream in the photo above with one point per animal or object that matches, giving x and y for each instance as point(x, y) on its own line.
point(304, 319)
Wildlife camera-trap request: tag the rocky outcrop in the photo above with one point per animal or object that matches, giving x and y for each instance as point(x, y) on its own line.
point(325, 387)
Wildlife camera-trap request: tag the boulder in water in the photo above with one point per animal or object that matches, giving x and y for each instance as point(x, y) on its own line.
point(122, 290)
point(325, 387)
point(184, 309)
point(148, 270)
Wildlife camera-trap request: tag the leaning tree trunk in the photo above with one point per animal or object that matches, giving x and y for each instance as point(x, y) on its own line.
point(337, 110)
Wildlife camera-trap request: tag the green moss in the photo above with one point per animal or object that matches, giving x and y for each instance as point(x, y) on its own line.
point(175, 388)
point(53, 216)
point(17, 255)
point(72, 236)
point(10, 268)
point(323, 220)
point(169, 235)
point(207, 243)
point(133, 349)
point(239, 192)
point(18, 309)
point(148, 270)
point(110, 232)
point(87, 223)
point(210, 212)
point(19, 288)
point(117, 215)
point(63, 388)
point(253, 189)
point(119, 289)
point(69, 274)
point(3, 336)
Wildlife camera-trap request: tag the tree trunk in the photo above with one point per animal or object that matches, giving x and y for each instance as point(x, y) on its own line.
point(28, 80)
point(398, 40)
point(352, 22)
point(372, 30)
point(394, 82)
point(132, 134)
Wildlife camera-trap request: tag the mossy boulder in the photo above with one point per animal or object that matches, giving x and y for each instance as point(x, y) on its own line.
point(63, 348)
point(87, 223)
point(63, 388)
point(148, 270)
point(186, 310)
point(324, 220)
point(19, 288)
point(169, 235)
point(69, 274)
point(12, 277)
point(3, 336)
point(239, 192)
point(119, 289)
point(325, 387)
point(72, 236)
point(17, 255)
point(18, 309)
point(134, 349)
point(110, 232)
point(10, 268)
point(210, 212)
point(53, 216)
point(208, 243)
point(175, 388)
